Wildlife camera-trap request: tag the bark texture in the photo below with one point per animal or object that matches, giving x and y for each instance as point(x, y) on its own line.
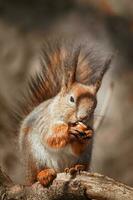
point(81, 186)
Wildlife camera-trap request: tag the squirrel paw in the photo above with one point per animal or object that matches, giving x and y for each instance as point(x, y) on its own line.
point(76, 169)
point(46, 176)
point(72, 171)
point(81, 131)
point(80, 167)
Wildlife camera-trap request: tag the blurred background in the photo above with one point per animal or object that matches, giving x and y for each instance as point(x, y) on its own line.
point(23, 27)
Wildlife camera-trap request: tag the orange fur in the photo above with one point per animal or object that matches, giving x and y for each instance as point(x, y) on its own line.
point(46, 176)
point(79, 89)
point(79, 147)
point(59, 138)
point(55, 58)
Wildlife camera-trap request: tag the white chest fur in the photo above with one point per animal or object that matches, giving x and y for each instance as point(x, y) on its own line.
point(57, 159)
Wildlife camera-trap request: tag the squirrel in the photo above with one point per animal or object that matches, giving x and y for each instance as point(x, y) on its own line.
point(56, 133)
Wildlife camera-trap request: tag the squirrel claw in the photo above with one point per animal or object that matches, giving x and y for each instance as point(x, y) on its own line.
point(80, 168)
point(66, 170)
point(46, 176)
point(73, 170)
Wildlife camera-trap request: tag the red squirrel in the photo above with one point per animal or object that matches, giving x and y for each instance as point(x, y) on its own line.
point(56, 134)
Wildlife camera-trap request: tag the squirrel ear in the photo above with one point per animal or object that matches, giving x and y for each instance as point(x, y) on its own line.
point(94, 87)
point(69, 69)
point(68, 80)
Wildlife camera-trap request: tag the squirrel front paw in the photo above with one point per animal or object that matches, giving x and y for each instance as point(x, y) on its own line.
point(80, 131)
point(46, 176)
point(76, 169)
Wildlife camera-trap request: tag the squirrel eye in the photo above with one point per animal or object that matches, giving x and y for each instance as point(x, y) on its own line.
point(72, 99)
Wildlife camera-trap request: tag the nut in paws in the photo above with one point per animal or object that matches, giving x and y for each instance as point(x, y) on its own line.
point(81, 131)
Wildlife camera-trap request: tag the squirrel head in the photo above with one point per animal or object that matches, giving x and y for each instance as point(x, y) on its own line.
point(75, 104)
point(77, 101)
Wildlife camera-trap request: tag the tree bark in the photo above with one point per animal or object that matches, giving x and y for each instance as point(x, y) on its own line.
point(82, 186)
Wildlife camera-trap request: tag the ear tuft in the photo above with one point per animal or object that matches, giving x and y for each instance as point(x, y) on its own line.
point(94, 87)
point(107, 65)
point(69, 67)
